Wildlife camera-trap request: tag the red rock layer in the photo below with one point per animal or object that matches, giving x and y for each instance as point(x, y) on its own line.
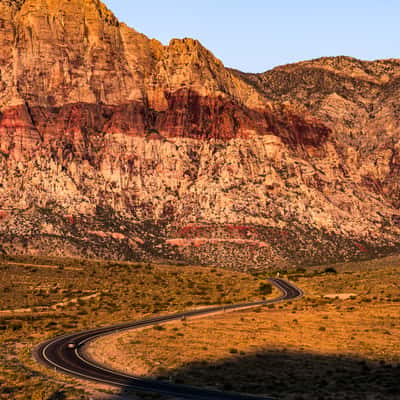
point(188, 115)
point(295, 129)
point(81, 94)
point(78, 69)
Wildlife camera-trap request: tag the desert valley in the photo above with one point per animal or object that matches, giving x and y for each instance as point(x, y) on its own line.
point(140, 180)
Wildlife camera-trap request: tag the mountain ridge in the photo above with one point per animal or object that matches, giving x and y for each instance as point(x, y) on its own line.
point(114, 145)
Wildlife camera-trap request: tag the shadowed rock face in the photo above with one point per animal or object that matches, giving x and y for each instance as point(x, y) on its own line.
point(96, 116)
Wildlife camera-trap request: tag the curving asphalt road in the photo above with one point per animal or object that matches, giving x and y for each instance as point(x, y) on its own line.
point(60, 356)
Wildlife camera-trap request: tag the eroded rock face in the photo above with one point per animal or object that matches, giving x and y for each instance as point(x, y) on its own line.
point(114, 145)
point(358, 101)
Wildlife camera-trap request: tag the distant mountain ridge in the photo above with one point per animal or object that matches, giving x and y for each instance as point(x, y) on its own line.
point(115, 146)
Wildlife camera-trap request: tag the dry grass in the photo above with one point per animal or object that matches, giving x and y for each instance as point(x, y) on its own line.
point(81, 294)
point(137, 288)
point(316, 348)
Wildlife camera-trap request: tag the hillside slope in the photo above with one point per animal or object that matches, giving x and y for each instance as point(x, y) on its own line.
point(113, 145)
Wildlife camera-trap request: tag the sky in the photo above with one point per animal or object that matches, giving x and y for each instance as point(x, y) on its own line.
point(257, 35)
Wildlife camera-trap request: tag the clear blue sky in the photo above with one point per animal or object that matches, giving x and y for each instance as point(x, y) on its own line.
point(256, 35)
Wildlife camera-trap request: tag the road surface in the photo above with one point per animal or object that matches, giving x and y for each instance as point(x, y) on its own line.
point(66, 353)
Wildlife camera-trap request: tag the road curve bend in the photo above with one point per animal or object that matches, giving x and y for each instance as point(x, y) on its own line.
point(66, 353)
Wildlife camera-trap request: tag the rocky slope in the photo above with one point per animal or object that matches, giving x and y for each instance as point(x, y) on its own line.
point(113, 145)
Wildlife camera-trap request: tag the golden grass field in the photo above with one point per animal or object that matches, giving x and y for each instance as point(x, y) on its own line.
point(45, 297)
point(341, 341)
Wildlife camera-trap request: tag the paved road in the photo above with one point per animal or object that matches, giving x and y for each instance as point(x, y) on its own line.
point(59, 355)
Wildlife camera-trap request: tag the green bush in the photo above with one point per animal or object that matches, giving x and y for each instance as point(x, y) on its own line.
point(158, 328)
point(233, 351)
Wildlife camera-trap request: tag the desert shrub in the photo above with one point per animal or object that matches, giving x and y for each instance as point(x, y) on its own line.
point(265, 288)
point(330, 270)
point(158, 328)
point(15, 325)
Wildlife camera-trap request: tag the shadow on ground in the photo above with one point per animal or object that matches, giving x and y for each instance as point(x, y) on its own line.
point(295, 376)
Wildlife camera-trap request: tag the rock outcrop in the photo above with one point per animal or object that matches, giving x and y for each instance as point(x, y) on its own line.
point(114, 145)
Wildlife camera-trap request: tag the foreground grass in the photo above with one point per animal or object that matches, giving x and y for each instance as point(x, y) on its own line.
point(42, 298)
point(341, 341)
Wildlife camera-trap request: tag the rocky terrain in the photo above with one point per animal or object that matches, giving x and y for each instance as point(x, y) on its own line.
point(115, 146)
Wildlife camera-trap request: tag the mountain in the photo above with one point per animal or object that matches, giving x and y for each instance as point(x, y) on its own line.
point(115, 146)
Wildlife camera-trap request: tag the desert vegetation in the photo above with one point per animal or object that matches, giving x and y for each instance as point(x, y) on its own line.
point(339, 342)
point(45, 297)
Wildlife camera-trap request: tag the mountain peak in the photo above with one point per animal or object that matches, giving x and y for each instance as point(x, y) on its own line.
point(121, 147)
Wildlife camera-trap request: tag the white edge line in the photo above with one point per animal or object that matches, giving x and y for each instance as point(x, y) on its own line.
point(74, 373)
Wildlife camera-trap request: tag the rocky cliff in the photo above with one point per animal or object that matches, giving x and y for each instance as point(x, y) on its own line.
point(113, 145)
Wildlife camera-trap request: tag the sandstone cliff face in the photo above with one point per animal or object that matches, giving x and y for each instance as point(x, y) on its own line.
point(359, 101)
point(114, 145)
